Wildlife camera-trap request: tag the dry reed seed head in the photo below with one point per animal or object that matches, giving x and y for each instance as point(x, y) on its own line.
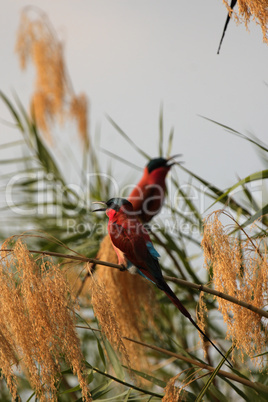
point(25, 38)
point(37, 319)
point(49, 95)
point(257, 9)
point(50, 72)
point(53, 96)
point(175, 393)
point(105, 314)
point(172, 392)
point(250, 284)
point(42, 110)
point(75, 273)
point(224, 254)
point(79, 111)
point(125, 307)
point(8, 361)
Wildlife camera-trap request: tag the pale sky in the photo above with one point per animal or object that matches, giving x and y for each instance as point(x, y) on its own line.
point(129, 56)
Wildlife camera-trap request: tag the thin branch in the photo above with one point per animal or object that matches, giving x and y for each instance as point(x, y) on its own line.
point(88, 274)
point(255, 385)
point(206, 289)
point(126, 384)
point(245, 233)
point(71, 257)
point(181, 282)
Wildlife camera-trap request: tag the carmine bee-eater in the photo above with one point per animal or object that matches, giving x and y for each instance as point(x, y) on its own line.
point(148, 195)
point(136, 252)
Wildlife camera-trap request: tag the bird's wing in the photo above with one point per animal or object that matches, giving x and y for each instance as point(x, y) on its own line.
point(153, 196)
point(147, 200)
point(137, 248)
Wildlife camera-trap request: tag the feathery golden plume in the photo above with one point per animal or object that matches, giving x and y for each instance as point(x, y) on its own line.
point(240, 270)
point(78, 109)
point(37, 324)
point(105, 313)
point(133, 300)
point(8, 359)
point(174, 393)
point(257, 9)
point(53, 96)
point(73, 273)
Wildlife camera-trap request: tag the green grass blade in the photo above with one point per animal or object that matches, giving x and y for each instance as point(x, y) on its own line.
point(211, 378)
point(144, 391)
point(126, 137)
point(233, 204)
point(216, 393)
point(149, 378)
point(257, 215)
point(12, 110)
point(11, 144)
point(170, 142)
point(16, 160)
point(127, 396)
point(250, 198)
point(114, 360)
point(238, 134)
point(119, 158)
point(261, 175)
point(161, 132)
point(237, 390)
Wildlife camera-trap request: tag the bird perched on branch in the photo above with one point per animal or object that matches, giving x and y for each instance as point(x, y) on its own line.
point(136, 252)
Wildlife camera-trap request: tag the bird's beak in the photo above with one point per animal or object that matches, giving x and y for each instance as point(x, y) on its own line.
point(100, 209)
point(173, 157)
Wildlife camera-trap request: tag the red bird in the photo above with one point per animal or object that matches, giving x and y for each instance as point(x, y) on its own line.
point(148, 196)
point(136, 252)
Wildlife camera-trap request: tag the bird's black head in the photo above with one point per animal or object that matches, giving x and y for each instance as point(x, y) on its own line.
point(117, 203)
point(157, 163)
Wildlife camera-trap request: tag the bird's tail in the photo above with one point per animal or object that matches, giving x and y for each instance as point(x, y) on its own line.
point(171, 295)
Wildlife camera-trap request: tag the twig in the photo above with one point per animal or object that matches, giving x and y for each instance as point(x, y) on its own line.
point(88, 274)
point(255, 385)
point(71, 257)
point(218, 294)
point(245, 233)
point(181, 282)
point(127, 384)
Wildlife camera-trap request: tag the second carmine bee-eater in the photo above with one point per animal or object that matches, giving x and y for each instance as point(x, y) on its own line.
point(148, 195)
point(136, 252)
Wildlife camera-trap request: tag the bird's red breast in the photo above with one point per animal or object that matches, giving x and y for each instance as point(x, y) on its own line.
point(148, 196)
point(128, 235)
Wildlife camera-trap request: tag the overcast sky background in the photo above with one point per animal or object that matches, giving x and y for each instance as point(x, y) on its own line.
point(129, 56)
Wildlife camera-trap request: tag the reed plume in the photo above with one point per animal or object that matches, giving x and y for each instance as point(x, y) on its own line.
point(37, 321)
point(53, 96)
point(240, 270)
point(247, 9)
